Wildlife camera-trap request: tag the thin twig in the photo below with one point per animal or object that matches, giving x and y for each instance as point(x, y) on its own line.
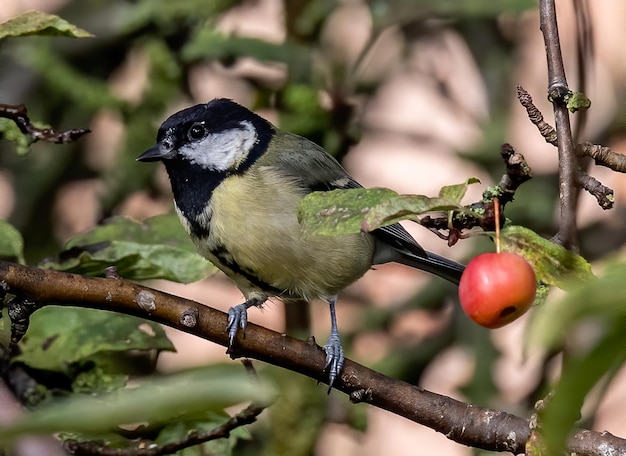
point(19, 115)
point(517, 172)
point(536, 117)
point(603, 156)
point(93, 448)
point(603, 194)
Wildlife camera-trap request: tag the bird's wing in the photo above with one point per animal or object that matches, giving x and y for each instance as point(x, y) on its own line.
point(316, 170)
point(319, 171)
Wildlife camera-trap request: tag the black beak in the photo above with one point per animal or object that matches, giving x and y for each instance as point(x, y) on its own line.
point(155, 153)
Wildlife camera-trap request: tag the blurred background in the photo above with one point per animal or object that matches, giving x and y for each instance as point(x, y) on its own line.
point(410, 95)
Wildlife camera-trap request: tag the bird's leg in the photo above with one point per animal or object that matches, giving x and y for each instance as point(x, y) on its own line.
point(333, 348)
point(238, 318)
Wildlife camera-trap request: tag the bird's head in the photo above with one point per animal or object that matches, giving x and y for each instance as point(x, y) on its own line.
point(220, 136)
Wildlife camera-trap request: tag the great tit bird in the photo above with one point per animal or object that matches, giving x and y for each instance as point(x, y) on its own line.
point(237, 182)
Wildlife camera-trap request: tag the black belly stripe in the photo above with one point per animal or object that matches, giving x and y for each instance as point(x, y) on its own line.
point(199, 230)
point(225, 257)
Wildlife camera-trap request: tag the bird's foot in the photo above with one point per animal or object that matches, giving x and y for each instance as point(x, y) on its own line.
point(334, 359)
point(237, 319)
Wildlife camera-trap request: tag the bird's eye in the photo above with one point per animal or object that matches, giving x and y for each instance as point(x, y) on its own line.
point(196, 132)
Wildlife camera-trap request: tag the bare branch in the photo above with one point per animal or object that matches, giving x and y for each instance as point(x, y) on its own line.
point(535, 116)
point(464, 423)
point(19, 115)
point(603, 194)
point(92, 448)
point(603, 156)
point(517, 172)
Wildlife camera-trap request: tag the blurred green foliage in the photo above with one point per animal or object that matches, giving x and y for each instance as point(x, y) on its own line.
point(40, 24)
point(170, 404)
point(67, 83)
point(159, 248)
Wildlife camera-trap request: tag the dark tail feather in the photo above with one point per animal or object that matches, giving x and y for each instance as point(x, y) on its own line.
point(435, 264)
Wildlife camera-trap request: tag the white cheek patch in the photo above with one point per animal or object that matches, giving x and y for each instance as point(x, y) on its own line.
point(222, 151)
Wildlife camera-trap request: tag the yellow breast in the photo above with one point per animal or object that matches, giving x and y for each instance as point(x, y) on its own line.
point(254, 221)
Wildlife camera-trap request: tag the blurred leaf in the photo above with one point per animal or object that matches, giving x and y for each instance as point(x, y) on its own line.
point(11, 132)
point(339, 211)
point(600, 298)
point(159, 248)
point(580, 374)
point(11, 242)
point(164, 399)
point(179, 430)
point(74, 86)
point(213, 45)
point(483, 8)
point(456, 192)
point(60, 336)
point(553, 264)
point(40, 23)
point(127, 176)
point(166, 13)
point(403, 11)
point(299, 397)
point(101, 374)
point(301, 112)
point(304, 19)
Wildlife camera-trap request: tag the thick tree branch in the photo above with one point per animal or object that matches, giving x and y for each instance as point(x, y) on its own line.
point(464, 423)
point(568, 161)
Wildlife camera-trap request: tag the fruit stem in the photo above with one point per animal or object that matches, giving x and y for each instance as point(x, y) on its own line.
point(496, 210)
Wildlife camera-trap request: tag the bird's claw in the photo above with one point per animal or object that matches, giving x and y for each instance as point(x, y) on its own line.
point(237, 319)
point(334, 358)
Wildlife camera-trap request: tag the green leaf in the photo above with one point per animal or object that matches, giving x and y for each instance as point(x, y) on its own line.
point(162, 400)
point(101, 374)
point(11, 242)
point(457, 192)
point(404, 207)
point(166, 14)
point(408, 207)
point(577, 101)
point(179, 430)
point(388, 12)
point(481, 8)
point(11, 132)
point(600, 298)
point(60, 336)
point(366, 209)
point(40, 23)
point(553, 264)
point(213, 45)
point(339, 211)
point(157, 248)
point(580, 374)
point(64, 80)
